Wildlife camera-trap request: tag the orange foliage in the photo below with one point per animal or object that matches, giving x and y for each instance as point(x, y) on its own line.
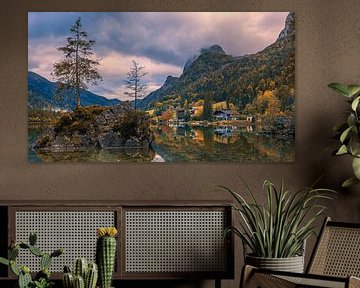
point(268, 104)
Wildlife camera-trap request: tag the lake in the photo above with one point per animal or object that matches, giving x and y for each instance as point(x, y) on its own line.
point(184, 144)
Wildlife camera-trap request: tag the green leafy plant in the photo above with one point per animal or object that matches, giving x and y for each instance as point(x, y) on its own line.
point(279, 229)
point(349, 132)
point(42, 278)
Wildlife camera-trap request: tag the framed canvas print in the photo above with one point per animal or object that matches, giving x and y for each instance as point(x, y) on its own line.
point(161, 87)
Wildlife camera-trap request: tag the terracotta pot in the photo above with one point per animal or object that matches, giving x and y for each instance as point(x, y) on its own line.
point(291, 264)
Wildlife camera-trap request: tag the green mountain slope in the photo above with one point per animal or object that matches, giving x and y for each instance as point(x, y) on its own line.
point(237, 80)
point(41, 94)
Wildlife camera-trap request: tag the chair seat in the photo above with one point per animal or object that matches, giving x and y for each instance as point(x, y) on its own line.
point(314, 282)
point(269, 279)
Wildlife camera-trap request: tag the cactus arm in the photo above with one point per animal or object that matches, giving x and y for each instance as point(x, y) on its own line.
point(24, 245)
point(24, 280)
point(13, 253)
point(36, 251)
point(14, 268)
point(32, 239)
point(80, 267)
point(91, 276)
point(43, 274)
point(67, 269)
point(57, 253)
point(68, 280)
point(4, 261)
point(79, 282)
point(45, 261)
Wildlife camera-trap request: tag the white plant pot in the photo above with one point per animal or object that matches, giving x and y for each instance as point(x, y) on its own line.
point(291, 264)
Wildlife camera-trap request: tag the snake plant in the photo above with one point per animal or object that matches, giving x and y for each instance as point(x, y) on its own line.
point(279, 228)
point(349, 131)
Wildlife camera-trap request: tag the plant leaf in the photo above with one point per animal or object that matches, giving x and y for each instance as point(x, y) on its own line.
point(342, 150)
point(353, 89)
point(4, 261)
point(355, 103)
point(345, 134)
point(351, 119)
point(356, 167)
point(340, 88)
point(349, 182)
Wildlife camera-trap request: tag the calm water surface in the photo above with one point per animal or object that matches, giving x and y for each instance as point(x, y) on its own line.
point(184, 144)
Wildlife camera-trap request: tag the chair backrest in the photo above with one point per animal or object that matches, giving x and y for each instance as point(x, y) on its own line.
point(337, 251)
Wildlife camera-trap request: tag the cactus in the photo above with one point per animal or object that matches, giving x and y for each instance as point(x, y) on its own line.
point(80, 268)
point(13, 253)
point(67, 269)
point(89, 272)
point(44, 273)
point(24, 278)
point(45, 261)
point(36, 251)
point(4, 261)
point(91, 276)
point(57, 252)
point(79, 282)
point(105, 254)
point(32, 238)
point(14, 268)
point(68, 280)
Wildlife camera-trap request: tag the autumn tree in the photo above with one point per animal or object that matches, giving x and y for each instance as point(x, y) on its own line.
point(168, 114)
point(77, 69)
point(268, 104)
point(134, 76)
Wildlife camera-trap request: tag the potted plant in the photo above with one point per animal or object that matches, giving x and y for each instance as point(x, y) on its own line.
point(349, 132)
point(276, 233)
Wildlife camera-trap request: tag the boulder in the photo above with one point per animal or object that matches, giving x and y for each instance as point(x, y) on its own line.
point(97, 128)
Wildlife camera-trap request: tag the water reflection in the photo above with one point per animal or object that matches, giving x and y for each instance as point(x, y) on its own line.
point(220, 144)
point(184, 144)
point(90, 155)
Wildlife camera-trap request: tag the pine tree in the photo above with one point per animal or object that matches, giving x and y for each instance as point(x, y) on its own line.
point(207, 112)
point(77, 69)
point(136, 89)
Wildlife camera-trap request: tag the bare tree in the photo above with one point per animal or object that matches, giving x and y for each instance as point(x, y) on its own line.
point(136, 89)
point(78, 68)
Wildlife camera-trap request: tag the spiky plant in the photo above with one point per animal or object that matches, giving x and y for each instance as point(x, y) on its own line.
point(106, 254)
point(279, 229)
point(42, 278)
point(84, 274)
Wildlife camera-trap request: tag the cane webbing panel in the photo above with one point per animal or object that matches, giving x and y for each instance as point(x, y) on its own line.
point(313, 282)
point(74, 231)
point(175, 241)
point(338, 252)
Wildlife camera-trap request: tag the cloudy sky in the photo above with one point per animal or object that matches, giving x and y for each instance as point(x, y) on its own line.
point(160, 41)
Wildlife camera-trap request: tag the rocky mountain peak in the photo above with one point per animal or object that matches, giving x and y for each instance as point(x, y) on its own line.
point(216, 49)
point(170, 80)
point(289, 26)
point(213, 49)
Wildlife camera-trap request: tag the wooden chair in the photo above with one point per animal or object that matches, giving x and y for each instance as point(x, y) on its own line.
point(334, 263)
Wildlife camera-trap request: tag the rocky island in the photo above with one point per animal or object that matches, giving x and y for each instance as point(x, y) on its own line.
point(96, 127)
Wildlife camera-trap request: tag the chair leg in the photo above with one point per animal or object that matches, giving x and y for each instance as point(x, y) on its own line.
point(246, 273)
point(217, 283)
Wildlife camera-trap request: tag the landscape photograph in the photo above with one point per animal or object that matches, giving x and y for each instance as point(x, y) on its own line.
point(161, 87)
